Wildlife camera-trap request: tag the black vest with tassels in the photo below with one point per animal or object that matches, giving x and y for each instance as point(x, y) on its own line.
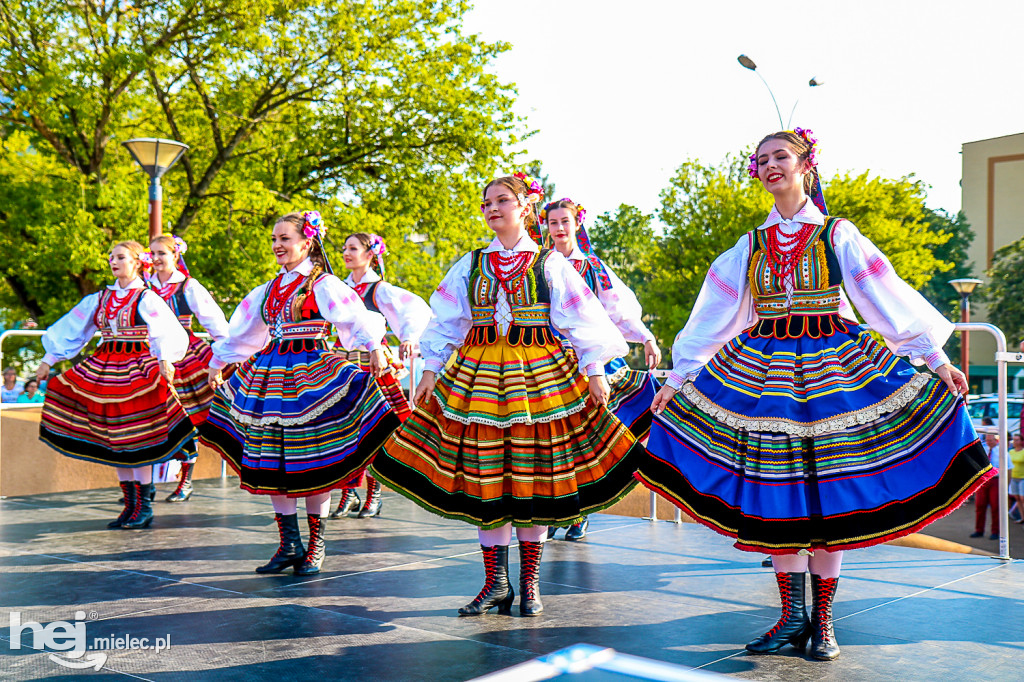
point(530, 304)
point(813, 307)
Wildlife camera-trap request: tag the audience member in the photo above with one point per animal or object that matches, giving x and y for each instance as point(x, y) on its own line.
point(12, 387)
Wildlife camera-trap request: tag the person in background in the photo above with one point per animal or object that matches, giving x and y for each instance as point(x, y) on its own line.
point(987, 496)
point(12, 387)
point(32, 393)
point(1017, 474)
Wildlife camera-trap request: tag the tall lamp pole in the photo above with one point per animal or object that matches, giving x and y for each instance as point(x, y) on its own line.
point(156, 155)
point(748, 63)
point(965, 287)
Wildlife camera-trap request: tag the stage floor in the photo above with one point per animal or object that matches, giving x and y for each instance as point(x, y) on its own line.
point(385, 606)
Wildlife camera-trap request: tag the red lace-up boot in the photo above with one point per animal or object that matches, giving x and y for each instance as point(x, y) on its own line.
point(793, 627)
point(290, 552)
point(316, 549)
point(823, 636)
point(529, 578)
point(497, 590)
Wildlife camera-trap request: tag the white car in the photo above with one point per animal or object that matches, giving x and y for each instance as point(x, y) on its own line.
point(988, 406)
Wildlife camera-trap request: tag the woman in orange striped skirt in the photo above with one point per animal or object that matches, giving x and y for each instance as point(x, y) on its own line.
point(118, 406)
point(512, 434)
point(407, 316)
point(187, 298)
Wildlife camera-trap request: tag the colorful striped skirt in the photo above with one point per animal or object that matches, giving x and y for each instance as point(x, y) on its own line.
point(390, 386)
point(114, 408)
point(799, 444)
point(389, 382)
point(510, 436)
point(190, 380)
point(297, 420)
point(632, 392)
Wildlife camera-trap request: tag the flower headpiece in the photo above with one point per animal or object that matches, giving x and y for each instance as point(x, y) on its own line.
point(313, 225)
point(146, 259)
point(377, 246)
point(581, 213)
point(812, 158)
point(534, 191)
point(180, 244)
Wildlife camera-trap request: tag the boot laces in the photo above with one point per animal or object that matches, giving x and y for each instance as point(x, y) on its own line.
point(823, 607)
point(490, 569)
point(786, 593)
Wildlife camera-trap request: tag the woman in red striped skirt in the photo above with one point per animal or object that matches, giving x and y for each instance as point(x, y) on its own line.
point(187, 298)
point(407, 316)
point(118, 406)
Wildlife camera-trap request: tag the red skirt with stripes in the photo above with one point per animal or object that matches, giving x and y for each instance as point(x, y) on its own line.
point(114, 408)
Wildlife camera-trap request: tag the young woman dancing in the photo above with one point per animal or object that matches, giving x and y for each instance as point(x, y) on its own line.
point(296, 420)
point(632, 391)
point(407, 315)
point(118, 406)
point(513, 434)
point(787, 426)
point(187, 298)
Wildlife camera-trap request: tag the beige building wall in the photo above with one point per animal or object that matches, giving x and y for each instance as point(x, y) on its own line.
point(992, 189)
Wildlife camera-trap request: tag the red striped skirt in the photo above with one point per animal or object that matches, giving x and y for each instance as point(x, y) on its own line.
point(114, 408)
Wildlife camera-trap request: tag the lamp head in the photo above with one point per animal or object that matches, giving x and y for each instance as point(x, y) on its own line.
point(965, 286)
point(156, 155)
point(746, 62)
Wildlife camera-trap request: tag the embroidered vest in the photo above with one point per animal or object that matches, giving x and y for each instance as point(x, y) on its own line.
point(299, 319)
point(813, 306)
point(129, 331)
point(174, 297)
point(368, 292)
point(591, 274)
point(530, 304)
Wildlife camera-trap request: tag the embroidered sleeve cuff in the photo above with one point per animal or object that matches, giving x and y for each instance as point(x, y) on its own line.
point(936, 359)
point(594, 370)
point(433, 365)
point(217, 363)
point(675, 381)
point(51, 359)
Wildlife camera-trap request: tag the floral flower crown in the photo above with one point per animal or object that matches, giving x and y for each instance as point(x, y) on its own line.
point(312, 225)
point(377, 246)
point(146, 259)
point(180, 244)
point(534, 192)
point(812, 157)
point(581, 213)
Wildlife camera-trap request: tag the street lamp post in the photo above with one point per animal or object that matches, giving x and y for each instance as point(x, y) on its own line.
point(155, 155)
point(965, 287)
point(748, 63)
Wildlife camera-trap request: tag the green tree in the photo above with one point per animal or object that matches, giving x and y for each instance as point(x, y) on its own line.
point(938, 291)
point(1005, 291)
point(625, 241)
point(380, 113)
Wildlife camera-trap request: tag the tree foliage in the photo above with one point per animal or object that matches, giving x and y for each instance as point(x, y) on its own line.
point(379, 113)
point(1005, 291)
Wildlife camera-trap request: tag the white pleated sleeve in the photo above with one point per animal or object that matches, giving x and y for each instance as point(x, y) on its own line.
point(66, 337)
point(206, 310)
point(624, 310)
point(911, 326)
point(406, 313)
point(579, 316)
point(723, 309)
point(341, 306)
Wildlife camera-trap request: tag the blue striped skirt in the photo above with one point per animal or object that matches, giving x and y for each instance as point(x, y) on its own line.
point(790, 444)
point(296, 419)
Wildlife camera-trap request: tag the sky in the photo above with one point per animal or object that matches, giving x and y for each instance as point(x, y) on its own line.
point(621, 93)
